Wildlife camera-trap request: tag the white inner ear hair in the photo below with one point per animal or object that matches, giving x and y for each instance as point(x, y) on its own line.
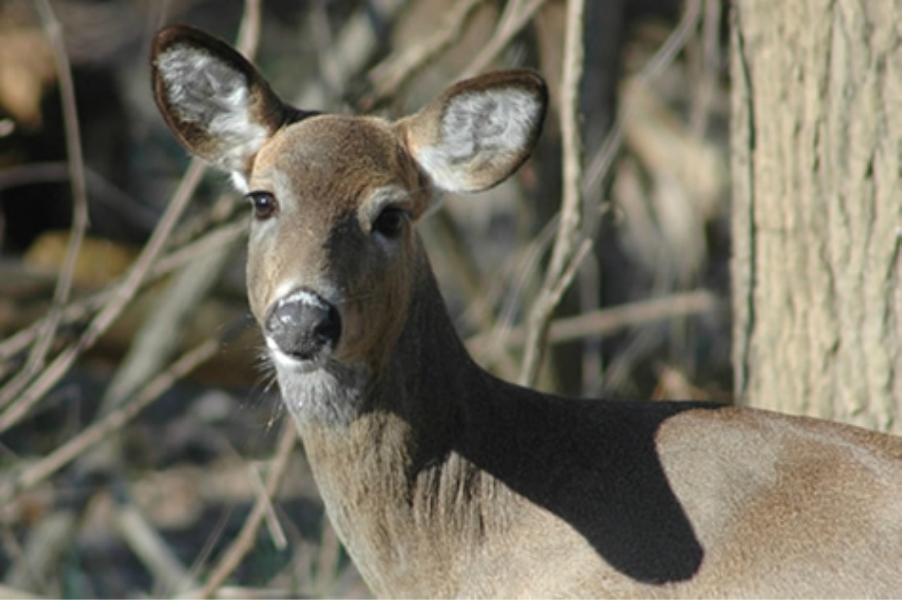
point(480, 129)
point(487, 122)
point(208, 92)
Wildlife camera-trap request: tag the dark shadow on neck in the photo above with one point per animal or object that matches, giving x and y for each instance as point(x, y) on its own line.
point(593, 463)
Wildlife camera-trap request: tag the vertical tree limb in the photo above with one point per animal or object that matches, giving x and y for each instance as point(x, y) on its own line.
point(566, 245)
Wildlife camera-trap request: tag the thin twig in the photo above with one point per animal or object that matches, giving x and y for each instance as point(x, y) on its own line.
point(480, 311)
point(37, 356)
point(566, 243)
point(353, 48)
point(101, 189)
point(319, 30)
point(150, 548)
point(119, 299)
point(527, 263)
point(276, 531)
point(327, 562)
point(10, 592)
point(710, 66)
point(79, 309)
point(48, 539)
point(114, 421)
point(514, 19)
point(244, 542)
point(601, 161)
point(249, 31)
point(143, 539)
point(162, 330)
point(392, 73)
point(610, 320)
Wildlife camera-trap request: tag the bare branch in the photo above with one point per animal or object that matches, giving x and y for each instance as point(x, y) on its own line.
point(601, 161)
point(354, 46)
point(392, 73)
point(516, 16)
point(78, 310)
point(150, 548)
point(249, 32)
point(565, 244)
point(598, 167)
point(244, 542)
point(38, 354)
point(115, 420)
point(610, 320)
point(119, 299)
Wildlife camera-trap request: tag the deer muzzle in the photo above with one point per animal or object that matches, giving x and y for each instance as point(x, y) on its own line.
point(302, 325)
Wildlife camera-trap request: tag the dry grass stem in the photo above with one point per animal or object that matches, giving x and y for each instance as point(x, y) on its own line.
point(37, 357)
point(607, 321)
point(600, 163)
point(388, 77)
point(150, 548)
point(111, 310)
point(517, 14)
point(566, 242)
point(113, 421)
point(244, 541)
point(78, 310)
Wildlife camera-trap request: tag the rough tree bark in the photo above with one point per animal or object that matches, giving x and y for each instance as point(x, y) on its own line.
point(817, 223)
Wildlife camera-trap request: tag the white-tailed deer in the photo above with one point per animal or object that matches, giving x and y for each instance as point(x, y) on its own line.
point(442, 480)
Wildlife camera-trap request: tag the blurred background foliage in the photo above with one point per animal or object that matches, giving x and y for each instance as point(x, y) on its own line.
point(138, 424)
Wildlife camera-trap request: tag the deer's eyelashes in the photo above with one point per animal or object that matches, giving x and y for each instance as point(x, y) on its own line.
point(390, 221)
point(264, 204)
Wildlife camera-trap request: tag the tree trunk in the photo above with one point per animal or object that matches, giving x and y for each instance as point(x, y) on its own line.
point(817, 221)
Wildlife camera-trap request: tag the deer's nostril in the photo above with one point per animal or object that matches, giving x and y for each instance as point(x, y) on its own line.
point(328, 329)
point(303, 325)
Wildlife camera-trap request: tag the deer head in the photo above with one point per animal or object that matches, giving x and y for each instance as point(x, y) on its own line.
point(333, 252)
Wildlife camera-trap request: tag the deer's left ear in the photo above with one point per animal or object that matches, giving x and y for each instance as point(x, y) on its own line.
point(477, 133)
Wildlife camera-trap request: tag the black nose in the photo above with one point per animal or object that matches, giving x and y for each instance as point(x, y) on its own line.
point(303, 324)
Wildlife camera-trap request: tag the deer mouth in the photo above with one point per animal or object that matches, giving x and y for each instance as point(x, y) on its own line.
point(302, 329)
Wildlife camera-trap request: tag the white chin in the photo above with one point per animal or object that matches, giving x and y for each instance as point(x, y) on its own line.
point(292, 364)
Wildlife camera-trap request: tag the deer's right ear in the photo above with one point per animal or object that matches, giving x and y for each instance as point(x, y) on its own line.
point(214, 100)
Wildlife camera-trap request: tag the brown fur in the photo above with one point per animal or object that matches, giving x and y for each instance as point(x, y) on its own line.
point(442, 480)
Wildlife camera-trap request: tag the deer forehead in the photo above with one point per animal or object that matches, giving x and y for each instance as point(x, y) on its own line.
point(334, 163)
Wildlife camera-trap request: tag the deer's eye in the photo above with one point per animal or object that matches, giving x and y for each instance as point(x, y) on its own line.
point(390, 222)
point(264, 204)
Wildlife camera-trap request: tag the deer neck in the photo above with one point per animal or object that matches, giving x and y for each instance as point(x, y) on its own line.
point(387, 470)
